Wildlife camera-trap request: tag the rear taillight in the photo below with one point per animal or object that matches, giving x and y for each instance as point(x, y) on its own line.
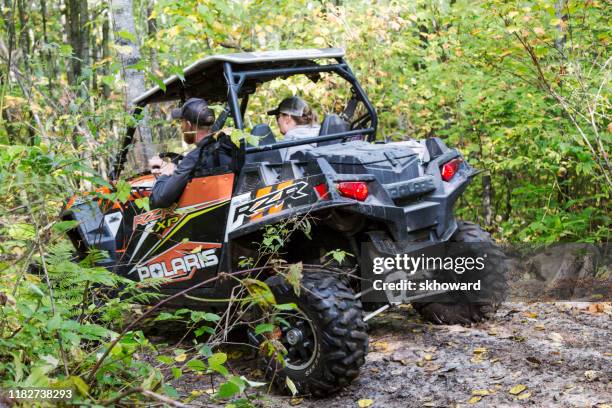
point(449, 169)
point(322, 191)
point(353, 189)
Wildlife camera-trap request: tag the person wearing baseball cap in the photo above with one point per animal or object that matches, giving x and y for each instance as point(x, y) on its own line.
point(214, 153)
point(295, 119)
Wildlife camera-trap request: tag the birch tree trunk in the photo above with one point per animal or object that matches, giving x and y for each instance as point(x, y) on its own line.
point(126, 42)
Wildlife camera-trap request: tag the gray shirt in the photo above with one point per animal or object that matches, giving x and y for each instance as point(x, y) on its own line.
point(300, 132)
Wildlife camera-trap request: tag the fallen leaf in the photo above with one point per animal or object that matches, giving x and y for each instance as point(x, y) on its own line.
point(530, 315)
point(533, 360)
point(538, 327)
point(480, 350)
point(474, 399)
point(591, 375)
point(374, 370)
point(380, 346)
point(427, 357)
point(555, 337)
point(180, 358)
point(524, 395)
point(295, 401)
point(365, 403)
point(597, 308)
point(517, 389)
point(481, 393)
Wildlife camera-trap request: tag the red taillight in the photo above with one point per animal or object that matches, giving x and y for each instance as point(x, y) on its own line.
point(449, 169)
point(322, 191)
point(353, 189)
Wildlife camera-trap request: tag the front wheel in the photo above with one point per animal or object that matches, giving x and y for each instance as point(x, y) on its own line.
point(459, 309)
point(325, 337)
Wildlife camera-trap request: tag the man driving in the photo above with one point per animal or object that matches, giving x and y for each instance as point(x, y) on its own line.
point(214, 153)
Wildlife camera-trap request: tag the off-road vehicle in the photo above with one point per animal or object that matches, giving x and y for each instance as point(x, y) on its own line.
point(364, 196)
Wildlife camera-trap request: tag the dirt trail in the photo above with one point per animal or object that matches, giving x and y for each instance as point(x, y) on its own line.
point(560, 354)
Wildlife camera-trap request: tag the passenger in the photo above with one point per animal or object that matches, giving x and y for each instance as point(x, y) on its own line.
point(295, 119)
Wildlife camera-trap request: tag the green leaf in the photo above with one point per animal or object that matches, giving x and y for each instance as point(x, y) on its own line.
point(36, 290)
point(228, 390)
point(177, 372)
point(143, 203)
point(170, 391)
point(264, 328)
point(217, 358)
point(165, 359)
point(260, 292)
point(203, 329)
point(285, 306)
point(124, 190)
point(126, 35)
point(80, 385)
point(159, 82)
point(64, 226)
point(196, 365)
point(233, 386)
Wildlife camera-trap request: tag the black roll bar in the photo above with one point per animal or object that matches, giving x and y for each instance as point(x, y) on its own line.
point(314, 139)
point(235, 80)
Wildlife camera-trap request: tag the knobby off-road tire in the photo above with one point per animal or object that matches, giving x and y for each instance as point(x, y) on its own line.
point(462, 311)
point(335, 323)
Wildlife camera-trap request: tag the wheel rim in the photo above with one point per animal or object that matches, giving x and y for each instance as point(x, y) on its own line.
point(300, 341)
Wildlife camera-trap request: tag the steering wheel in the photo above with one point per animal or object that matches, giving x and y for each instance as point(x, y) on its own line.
point(174, 157)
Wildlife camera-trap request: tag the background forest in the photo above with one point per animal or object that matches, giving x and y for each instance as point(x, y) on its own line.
point(522, 88)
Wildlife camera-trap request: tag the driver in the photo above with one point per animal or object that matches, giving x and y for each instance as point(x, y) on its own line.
point(213, 151)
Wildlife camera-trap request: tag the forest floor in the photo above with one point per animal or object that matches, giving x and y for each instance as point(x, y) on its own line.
point(536, 355)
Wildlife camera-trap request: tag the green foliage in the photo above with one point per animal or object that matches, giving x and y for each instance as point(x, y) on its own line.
point(520, 88)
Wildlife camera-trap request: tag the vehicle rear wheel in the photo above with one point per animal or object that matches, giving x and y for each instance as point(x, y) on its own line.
point(325, 339)
point(459, 309)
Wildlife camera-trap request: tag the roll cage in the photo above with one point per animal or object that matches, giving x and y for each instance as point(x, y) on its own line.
point(231, 78)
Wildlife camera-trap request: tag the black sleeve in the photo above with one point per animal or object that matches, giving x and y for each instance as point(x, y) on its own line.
point(168, 189)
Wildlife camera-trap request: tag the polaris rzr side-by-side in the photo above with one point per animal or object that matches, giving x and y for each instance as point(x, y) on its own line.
point(368, 198)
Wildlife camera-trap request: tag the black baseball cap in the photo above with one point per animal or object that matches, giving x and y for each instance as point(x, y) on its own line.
point(196, 111)
point(294, 106)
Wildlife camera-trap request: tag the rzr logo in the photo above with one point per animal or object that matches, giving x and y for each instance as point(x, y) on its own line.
point(145, 218)
point(273, 199)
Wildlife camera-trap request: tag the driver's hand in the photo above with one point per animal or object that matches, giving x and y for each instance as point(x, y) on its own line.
point(155, 164)
point(167, 169)
point(160, 167)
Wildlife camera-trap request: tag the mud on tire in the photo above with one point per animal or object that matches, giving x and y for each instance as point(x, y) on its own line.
point(462, 311)
point(341, 341)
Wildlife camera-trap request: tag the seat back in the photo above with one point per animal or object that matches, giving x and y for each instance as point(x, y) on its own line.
point(264, 133)
point(266, 137)
point(330, 125)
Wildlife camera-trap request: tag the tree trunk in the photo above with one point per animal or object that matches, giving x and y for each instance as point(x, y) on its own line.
point(129, 54)
point(486, 200)
point(49, 61)
point(78, 32)
point(106, 52)
point(24, 38)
